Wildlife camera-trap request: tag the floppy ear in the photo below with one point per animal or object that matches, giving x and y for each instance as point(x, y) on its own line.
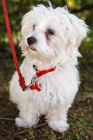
point(77, 32)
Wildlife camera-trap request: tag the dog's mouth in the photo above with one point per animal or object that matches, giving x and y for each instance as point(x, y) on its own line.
point(32, 48)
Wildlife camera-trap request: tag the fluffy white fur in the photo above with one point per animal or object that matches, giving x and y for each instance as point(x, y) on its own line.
point(60, 50)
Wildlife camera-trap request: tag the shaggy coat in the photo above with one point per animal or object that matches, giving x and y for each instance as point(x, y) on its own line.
point(50, 38)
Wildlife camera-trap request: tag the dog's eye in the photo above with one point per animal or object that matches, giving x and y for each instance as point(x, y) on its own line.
point(34, 27)
point(50, 32)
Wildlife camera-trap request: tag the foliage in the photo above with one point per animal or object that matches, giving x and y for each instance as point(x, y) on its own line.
point(17, 8)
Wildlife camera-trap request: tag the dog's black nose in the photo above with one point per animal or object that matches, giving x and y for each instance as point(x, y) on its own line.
point(31, 40)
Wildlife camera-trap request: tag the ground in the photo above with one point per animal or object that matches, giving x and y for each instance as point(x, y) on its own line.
point(80, 115)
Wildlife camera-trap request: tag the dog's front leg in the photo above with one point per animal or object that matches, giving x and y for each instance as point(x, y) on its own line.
point(28, 116)
point(57, 118)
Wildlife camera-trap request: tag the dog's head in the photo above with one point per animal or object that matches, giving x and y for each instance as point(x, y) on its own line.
point(49, 34)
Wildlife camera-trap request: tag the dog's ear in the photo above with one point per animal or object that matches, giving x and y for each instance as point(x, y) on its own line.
point(77, 31)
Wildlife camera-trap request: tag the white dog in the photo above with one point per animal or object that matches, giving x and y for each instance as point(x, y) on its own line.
point(50, 40)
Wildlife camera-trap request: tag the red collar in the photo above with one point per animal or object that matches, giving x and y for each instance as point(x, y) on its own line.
point(33, 85)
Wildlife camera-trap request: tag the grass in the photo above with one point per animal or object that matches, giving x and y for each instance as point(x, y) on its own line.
point(80, 115)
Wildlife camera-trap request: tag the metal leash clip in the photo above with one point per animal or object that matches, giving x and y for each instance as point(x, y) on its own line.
point(33, 82)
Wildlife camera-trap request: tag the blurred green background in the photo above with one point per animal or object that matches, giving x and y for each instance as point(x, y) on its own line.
point(81, 113)
point(17, 8)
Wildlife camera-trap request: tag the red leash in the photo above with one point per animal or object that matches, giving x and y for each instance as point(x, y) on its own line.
point(21, 78)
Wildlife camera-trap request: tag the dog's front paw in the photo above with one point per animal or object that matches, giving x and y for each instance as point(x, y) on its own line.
point(59, 126)
point(23, 123)
point(19, 122)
